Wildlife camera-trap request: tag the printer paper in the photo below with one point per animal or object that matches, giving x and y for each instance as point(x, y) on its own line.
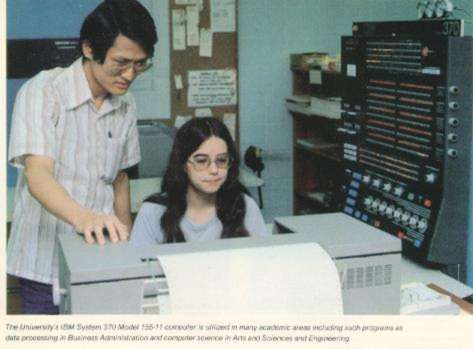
point(298, 279)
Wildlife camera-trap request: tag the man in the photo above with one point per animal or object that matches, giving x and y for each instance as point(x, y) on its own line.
point(73, 135)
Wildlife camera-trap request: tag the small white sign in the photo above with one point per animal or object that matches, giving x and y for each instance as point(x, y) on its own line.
point(351, 70)
point(208, 88)
point(431, 70)
point(315, 76)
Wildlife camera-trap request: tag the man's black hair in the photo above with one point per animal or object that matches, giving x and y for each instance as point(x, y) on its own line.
point(114, 17)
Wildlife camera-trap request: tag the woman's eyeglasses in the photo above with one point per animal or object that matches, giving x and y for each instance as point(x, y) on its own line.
point(203, 162)
point(117, 67)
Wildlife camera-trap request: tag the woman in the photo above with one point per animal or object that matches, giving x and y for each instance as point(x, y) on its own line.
point(201, 196)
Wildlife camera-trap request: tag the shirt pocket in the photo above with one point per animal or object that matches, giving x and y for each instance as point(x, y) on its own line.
point(113, 157)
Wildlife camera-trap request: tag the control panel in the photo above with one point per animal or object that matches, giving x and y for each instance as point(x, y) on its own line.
point(406, 133)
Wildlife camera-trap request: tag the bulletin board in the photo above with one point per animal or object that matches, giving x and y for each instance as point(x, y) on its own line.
point(204, 61)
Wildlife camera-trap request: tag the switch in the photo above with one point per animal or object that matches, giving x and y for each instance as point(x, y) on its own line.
point(452, 137)
point(382, 208)
point(430, 178)
point(422, 225)
point(398, 213)
point(453, 105)
point(454, 90)
point(405, 217)
point(398, 191)
point(413, 221)
point(453, 122)
point(375, 204)
point(453, 153)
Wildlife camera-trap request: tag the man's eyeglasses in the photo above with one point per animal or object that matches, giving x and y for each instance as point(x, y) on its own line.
point(203, 162)
point(117, 67)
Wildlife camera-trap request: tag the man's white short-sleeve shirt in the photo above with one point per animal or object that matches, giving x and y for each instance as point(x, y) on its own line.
point(55, 116)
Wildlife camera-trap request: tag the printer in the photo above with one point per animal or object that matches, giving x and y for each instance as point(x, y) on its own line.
point(125, 279)
point(368, 260)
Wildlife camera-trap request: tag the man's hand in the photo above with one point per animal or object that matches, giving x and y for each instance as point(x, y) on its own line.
point(44, 187)
point(90, 224)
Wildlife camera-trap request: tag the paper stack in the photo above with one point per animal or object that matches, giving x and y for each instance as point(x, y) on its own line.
point(298, 104)
point(418, 299)
point(327, 107)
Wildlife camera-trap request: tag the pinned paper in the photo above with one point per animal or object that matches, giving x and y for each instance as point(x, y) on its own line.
point(181, 120)
point(178, 82)
point(192, 13)
point(200, 4)
point(208, 88)
point(186, 2)
point(203, 112)
point(205, 49)
point(229, 119)
point(178, 29)
point(222, 15)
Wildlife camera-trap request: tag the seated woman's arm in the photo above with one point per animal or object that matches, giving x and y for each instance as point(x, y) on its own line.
point(254, 221)
point(147, 227)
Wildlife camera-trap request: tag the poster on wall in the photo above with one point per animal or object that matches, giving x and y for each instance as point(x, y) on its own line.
point(208, 88)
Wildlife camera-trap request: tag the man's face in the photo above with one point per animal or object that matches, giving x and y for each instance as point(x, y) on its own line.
point(124, 61)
